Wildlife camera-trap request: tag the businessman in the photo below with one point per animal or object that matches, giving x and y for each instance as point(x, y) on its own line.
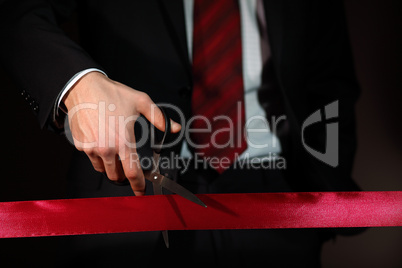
point(237, 60)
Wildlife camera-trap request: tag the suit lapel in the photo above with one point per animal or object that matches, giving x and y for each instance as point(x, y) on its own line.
point(173, 13)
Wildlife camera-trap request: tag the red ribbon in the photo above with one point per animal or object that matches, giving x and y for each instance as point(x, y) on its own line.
point(224, 211)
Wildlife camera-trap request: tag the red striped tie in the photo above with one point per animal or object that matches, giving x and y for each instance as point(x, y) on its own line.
point(218, 93)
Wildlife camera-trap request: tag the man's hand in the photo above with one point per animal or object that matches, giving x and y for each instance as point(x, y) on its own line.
point(107, 143)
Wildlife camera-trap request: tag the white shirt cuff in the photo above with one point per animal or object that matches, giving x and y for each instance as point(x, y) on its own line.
point(72, 82)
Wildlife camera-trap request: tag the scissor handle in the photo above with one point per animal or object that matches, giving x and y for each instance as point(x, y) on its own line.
point(158, 145)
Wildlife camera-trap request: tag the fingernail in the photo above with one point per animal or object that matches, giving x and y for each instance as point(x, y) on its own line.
point(175, 127)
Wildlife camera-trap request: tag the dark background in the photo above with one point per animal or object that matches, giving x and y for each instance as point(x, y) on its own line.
point(34, 161)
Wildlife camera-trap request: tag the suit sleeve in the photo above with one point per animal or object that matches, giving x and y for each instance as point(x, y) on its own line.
point(38, 55)
point(327, 76)
point(332, 78)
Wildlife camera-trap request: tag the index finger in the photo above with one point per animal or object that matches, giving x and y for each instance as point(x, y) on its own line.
point(130, 163)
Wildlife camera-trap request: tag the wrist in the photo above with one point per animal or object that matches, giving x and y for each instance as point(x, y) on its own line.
point(80, 89)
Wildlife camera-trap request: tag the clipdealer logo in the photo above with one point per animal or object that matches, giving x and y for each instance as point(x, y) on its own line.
point(331, 154)
point(107, 121)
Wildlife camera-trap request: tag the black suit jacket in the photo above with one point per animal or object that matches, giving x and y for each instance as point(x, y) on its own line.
point(143, 45)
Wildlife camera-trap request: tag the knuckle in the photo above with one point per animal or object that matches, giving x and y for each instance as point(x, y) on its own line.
point(143, 99)
point(132, 174)
point(145, 96)
point(104, 152)
point(89, 151)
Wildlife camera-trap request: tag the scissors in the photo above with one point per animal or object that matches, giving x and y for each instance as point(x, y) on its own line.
point(158, 180)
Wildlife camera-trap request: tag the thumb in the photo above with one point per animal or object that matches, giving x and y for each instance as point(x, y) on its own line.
point(154, 115)
point(174, 127)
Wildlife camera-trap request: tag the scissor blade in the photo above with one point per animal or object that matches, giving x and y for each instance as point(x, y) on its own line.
point(165, 238)
point(180, 190)
point(158, 191)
